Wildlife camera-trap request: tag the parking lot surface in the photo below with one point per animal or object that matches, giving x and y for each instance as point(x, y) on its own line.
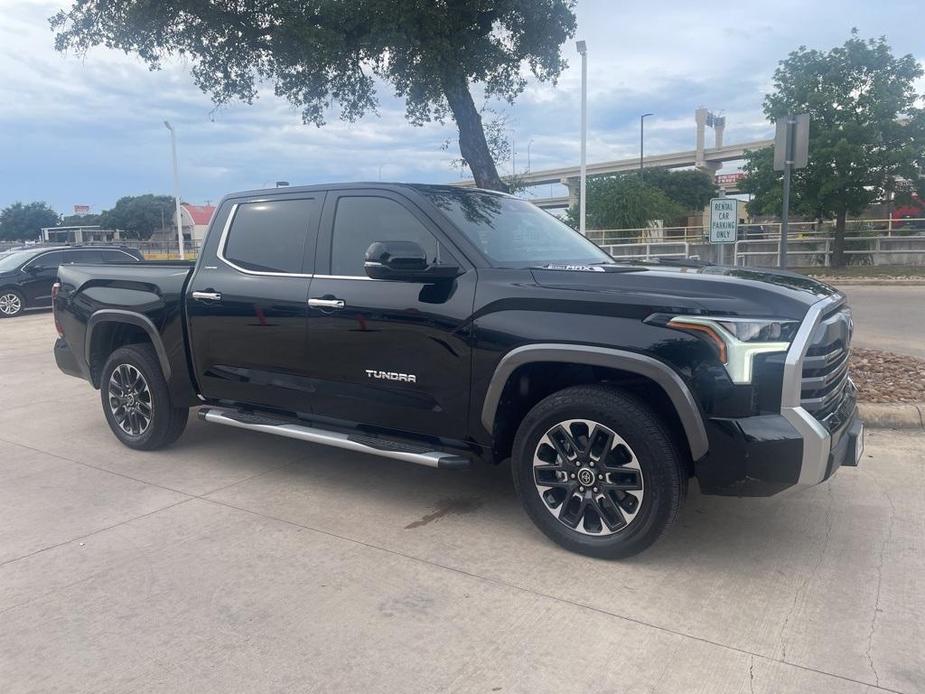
point(240, 562)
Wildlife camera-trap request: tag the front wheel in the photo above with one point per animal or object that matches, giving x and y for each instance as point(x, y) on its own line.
point(597, 471)
point(11, 303)
point(136, 401)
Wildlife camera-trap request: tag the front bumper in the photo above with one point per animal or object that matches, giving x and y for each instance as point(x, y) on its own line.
point(768, 454)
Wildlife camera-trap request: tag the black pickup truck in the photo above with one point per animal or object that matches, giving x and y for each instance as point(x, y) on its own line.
point(444, 326)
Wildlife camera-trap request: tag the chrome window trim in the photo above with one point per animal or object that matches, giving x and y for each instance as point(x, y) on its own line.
point(220, 250)
point(347, 277)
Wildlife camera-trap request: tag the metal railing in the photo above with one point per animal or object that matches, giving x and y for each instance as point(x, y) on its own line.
point(767, 230)
point(647, 250)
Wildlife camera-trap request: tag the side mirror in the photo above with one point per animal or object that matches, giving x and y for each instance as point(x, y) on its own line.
point(404, 261)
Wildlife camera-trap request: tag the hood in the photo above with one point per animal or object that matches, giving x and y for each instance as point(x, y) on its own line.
point(709, 289)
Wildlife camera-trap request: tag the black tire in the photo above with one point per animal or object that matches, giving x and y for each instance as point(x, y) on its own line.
point(647, 445)
point(164, 422)
point(12, 303)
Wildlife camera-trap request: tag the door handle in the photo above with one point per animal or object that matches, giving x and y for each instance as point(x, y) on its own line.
point(326, 303)
point(207, 296)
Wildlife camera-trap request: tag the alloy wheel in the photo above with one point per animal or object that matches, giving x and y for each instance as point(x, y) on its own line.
point(130, 400)
point(588, 477)
point(10, 304)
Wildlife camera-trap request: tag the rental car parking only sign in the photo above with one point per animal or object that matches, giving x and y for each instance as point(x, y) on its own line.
point(724, 220)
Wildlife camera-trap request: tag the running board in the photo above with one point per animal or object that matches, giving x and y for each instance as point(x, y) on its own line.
point(351, 442)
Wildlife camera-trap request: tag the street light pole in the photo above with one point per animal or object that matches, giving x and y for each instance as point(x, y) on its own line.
point(176, 188)
point(528, 154)
point(582, 202)
point(642, 130)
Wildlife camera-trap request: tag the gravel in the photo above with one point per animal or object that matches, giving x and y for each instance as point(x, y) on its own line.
point(887, 377)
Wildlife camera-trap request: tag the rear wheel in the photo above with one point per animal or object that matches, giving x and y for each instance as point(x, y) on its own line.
point(597, 471)
point(11, 303)
point(136, 401)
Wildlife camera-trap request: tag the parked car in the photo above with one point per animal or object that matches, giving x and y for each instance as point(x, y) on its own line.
point(26, 275)
point(444, 326)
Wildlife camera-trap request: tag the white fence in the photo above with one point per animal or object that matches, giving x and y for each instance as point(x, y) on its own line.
point(867, 242)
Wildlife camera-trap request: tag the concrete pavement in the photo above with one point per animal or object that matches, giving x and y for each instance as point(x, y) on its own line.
point(239, 562)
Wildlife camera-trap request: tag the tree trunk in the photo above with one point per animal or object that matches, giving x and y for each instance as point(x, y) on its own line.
point(838, 245)
point(472, 144)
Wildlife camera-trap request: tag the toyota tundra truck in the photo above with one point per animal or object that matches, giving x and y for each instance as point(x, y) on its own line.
point(447, 327)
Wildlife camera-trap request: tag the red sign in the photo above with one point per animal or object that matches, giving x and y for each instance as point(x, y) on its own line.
point(730, 179)
point(81, 209)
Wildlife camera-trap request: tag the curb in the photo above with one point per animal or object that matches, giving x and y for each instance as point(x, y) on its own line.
point(893, 415)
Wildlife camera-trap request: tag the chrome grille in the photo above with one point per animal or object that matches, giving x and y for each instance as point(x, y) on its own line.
point(825, 366)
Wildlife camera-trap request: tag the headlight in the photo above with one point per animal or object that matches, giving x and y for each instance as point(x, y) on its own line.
point(738, 340)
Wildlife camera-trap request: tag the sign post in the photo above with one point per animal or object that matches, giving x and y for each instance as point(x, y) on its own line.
point(724, 223)
point(791, 151)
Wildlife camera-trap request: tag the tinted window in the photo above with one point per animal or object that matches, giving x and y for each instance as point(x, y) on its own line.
point(48, 260)
point(83, 256)
point(117, 257)
point(361, 221)
point(512, 232)
point(271, 236)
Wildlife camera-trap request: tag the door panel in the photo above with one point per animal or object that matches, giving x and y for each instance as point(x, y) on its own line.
point(247, 304)
point(397, 354)
point(40, 275)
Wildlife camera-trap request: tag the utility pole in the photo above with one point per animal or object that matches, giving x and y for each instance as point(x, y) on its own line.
point(791, 151)
point(642, 127)
point(785, 215)
point(176, 188)
point(582, 202)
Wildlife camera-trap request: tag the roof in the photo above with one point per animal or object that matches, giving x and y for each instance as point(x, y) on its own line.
point(200, 214)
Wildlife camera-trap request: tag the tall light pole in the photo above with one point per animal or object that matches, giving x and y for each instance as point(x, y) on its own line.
point(582, 203)
point(513, 152)
point(642, 130)
point(528, 154)
point(176, 188)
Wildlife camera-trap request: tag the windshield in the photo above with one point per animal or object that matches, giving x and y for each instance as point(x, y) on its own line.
point(512, 232)
point(13, 259)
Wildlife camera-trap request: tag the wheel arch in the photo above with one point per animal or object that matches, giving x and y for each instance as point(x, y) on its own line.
point(676, 392)
point(109, 329)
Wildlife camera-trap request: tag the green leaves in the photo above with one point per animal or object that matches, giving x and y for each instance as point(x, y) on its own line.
point(625, 202)
point(867, 136)
point(140, 215)
point(24, 222)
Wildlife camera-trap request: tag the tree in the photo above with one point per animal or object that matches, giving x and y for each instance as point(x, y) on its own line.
point(139, 215)
point(624, 202)
point(20, 222)
point(321, 52)
point(691, 189)
point(81, 220)
point(867, 137)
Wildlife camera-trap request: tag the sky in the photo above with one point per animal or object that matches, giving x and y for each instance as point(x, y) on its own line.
point(87, 130)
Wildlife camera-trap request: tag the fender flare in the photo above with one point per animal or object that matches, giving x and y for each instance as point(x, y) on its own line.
point(112, 315)
point(653, 369)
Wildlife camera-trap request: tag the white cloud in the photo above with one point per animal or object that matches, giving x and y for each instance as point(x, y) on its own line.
point(89, 129)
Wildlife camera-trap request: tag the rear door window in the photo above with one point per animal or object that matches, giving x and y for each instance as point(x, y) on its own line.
point(88, 255)
point(272, 236)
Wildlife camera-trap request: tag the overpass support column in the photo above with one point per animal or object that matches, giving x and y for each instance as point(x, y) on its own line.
point(574, 187)
point(701, 117)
